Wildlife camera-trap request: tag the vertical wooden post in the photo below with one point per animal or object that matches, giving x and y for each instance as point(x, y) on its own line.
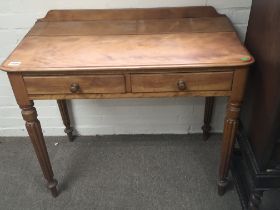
point(34, 129)
point(230, 126)
point(62, 105)
point(206, 128)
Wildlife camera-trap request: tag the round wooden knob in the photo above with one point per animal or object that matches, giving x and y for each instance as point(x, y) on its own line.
point(74, 88)
point(181, 85)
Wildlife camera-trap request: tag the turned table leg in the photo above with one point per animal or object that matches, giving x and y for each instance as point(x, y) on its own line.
point(65, 118)
point(206, 128)
point(230, 126)
point(34, 130)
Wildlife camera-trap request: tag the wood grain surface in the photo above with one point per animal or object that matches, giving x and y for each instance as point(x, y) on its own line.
point(132, 27)
point(129, 53)
point(86, 84)
point(142, 83)
point(130, 14)
point(59, 43)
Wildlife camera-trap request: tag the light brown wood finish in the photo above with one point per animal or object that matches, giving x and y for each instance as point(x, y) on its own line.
point(180, 50)
point(128, 95)
point(142, 83)
point(34, 130)
point(132, 27)
point(230, 126)
point(129, 44)
point(128, 53)
point(85, 84)
point(130, 14)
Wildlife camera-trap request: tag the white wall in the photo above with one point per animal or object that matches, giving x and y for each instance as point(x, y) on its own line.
point(130, 116)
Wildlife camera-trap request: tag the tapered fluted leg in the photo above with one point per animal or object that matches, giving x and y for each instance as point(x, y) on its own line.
point(206, 128)
point(230, 126)
point(35, 133)
point(65, 118)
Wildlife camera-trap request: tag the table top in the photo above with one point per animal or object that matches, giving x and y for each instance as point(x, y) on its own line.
point(129, 39)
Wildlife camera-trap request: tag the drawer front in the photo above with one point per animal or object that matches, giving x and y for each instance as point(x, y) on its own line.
point(210, 81)
point(75, 84)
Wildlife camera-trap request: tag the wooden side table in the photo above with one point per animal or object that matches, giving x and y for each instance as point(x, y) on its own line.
point(129, 53)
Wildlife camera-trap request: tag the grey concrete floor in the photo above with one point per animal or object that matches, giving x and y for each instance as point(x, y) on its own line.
point(116, 172)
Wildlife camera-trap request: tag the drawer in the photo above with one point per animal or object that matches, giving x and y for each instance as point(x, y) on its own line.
point(75, 84)
point(209, 81)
